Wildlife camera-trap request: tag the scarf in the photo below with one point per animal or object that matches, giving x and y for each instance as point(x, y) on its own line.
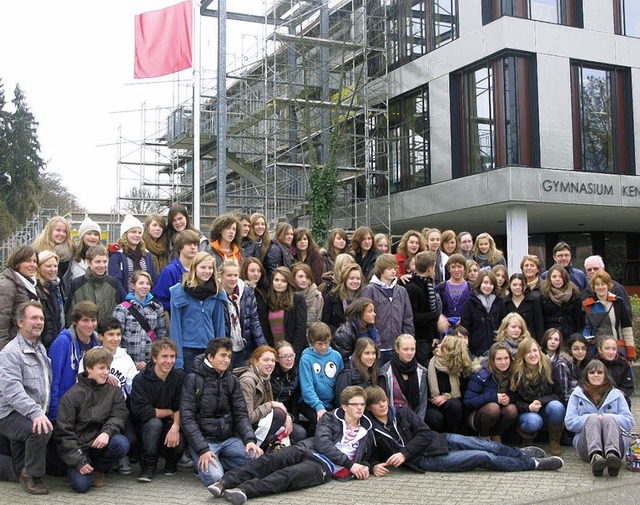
point(135, 255)
point(438, 363)
point(482, 259)
point(409, 387)
point(64, 252)
point(29, 283)
point(203, 291)
point(370, 330)
point(502, 379)
point(560, 296)
point(158, 249)
point(234, 318)
point(596, 394)
point(486, 300)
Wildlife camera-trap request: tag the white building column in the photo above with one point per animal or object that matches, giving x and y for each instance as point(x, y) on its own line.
point(517, 236)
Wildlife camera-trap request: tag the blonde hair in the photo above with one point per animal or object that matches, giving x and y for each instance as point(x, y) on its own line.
point(502, 331)
point(44, 241)
point(190, 280)
point(523, 373)
point(457, 358)
point(494, 255)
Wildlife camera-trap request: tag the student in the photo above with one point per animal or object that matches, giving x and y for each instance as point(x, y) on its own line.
point(68, 348)
point(338, 300)
point(562, 257)
point(91, 417)
point(341, 448)
point(512, 331)
point(433, 237)
point(466, 244)
point(96, 286)
point(449, 243)
point(331, 278)
point(363, 250)
point(525, 303)
point(488, 396)
point(618, 367)
point(454, 291)
point(51, 295)
point(553, 346)
point(56, 237)
point(337, 243)
point(486, 253)
point(141, 318)
point(472, 271)
point(225, 239)
point(307, 252)
point(402, 438)
point(483, 313)
point(280, 252)
point(578, 349)
point(362, 368)
point(130, 254)
point(259, 234)
point(502, 280)
point(382, 243)
point(597, 412)
point(197, 310)
point(305, 287)
point(155, 410)
point(25, 378)
point(213, 414)
point(285, 385)
point(411, 243)
point(178, 220)
point(249, 247)
point(360, 323)
point(156, 241)
point(561, 303)
point(88, 235)
point(393, 307)
point(319, 369)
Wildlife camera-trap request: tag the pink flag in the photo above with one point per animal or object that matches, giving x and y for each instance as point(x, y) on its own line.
point(163, 41)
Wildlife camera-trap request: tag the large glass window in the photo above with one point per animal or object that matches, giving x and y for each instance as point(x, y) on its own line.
point(416, 27)
point(494, 115)
point(562, 12)
point(409, 141)
point(626, 17)
point(602, 119)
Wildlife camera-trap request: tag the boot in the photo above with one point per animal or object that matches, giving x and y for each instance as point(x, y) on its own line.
point(496, 438)
point(527, 438)
point(555, 433)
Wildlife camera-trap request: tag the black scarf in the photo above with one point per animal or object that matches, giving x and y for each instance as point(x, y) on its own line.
point(409, 387)
point(203, 291)
point(135, 255)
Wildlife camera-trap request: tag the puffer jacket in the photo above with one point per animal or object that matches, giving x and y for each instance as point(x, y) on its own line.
point(212, 407)
point(285, 387)
point(252, 333)
point(12, 294)
point(277, 256)
point(85, 411)
point(53, 310)
point(257, 393)
point(482, 387)
point(333, 311)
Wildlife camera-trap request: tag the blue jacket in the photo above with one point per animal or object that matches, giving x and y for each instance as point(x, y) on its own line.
point(65, 356)
point(170, 276)
point(318, 376)
point(252, 333)
point(195, 323)
point(482, 388)
point(580, 408)
point(119, 268)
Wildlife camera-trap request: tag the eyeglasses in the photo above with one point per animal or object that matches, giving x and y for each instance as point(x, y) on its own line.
point(596, 372)
point(356, 405)
point(594, 269)
point(287, 356)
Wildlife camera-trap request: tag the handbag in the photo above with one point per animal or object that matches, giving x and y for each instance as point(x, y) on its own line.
point(633, 451)
point(144, 324)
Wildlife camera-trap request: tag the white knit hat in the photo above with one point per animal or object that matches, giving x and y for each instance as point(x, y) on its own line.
point(128, 223)
point(88, 225)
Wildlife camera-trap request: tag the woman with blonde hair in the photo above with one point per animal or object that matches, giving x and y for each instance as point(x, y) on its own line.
point(537, 394)
point(512, 331)
point(382, 243)
point(51, 296)
point(531, 267)
point(197, 310)
point(486, 253)
point(56, 237)
point(259, 234)
point(156, 241)
point(447, 376)
point(332, 277)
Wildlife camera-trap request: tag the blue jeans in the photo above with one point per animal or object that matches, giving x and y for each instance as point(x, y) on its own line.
point(230, 453)
point(101, 460)
point(468, 453)
point(552, 414)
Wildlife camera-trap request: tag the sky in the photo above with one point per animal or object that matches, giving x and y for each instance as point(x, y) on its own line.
point(74, 61)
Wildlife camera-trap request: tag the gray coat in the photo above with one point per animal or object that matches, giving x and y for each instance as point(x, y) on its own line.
point(25, 379)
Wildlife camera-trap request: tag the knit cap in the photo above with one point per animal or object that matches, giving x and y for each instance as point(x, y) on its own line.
point(128, 223)
point(46, 255)
point(88, 225)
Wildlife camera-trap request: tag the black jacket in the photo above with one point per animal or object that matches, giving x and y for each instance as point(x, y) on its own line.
point(333, 311)
point(276, 256)
point(531, 311)
point(482, 325)
point(295, 323)
point(149, 393)
point(549, 392)
point(416, 438)
point(53, 324)
point(285, 387)
point(620, 372)
point(368, 262)
point(568, 317)
point(425, 320)
point(85, 411)
point(212, 407)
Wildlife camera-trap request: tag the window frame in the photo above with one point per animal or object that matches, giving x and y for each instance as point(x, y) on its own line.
point(570, 12)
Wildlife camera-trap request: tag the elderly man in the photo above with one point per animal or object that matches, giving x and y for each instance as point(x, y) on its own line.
point(25, 393)
point(595, 264)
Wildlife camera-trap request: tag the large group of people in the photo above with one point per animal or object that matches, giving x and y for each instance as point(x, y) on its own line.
point(270, 363)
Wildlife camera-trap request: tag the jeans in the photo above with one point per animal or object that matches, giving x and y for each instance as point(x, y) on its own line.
point(101, 461)
point(27, 448)
point(552, 414)
point(231, 454)
point(152, 436)
point(468, 453)
point(188, 355)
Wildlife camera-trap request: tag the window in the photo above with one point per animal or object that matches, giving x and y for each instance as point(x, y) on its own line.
point(416, 27)
point(494, 115)
point(562, 12)
point(409, 141)
point(602, 119)
point(626, 17)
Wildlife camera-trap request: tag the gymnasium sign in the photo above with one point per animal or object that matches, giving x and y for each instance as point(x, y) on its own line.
point(590, 188)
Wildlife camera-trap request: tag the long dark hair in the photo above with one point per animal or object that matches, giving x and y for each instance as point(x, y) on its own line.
point(366, 373)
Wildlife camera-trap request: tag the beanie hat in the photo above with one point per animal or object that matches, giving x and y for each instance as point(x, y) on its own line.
point(47, 255)
point(88, 225)
point(128, 223)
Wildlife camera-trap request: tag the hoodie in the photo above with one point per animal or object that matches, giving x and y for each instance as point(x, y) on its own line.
point(318, 376)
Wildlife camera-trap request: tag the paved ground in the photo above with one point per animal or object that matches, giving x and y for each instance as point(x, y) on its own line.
point(573, 484)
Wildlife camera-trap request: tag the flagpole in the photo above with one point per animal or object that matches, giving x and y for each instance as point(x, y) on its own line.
point(197, 93)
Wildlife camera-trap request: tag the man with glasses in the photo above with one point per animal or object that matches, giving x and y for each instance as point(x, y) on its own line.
point(341, 449)
point(595, 264)
point(562, 257)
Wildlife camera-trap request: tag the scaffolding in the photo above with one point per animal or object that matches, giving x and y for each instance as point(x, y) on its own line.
point(314, 90)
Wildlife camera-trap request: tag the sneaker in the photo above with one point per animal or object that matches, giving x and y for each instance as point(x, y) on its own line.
point(185, 462)
point(613, 464)
point(216, 489)
point(32, 485)
point(146, 475)
point(124, 466)
point(533, 452)
point(235, 496)
point(99, 478)
point(170, 469)
point(598, 464)
point(552, 463)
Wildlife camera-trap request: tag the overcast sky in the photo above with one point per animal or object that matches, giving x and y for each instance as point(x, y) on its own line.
point(74, 61)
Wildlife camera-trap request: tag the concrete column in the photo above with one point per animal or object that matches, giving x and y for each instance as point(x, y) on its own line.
point(517, 236)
